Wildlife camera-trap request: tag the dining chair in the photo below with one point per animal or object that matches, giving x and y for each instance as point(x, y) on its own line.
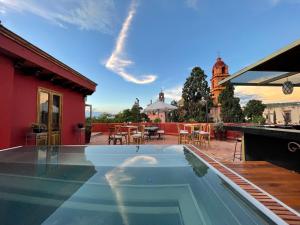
point(161, 134)
point(204, 134)
point(114, 136)
point(196, 137)
point(138, 137)
point(122, 132)
point(183, 135)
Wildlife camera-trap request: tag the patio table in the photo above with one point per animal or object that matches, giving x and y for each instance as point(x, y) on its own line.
point(129, 129)
point(151, 131)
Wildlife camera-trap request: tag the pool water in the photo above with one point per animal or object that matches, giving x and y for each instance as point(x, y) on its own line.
point(117, 185)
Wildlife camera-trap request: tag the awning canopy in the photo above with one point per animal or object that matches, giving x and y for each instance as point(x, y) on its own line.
point(272, 70)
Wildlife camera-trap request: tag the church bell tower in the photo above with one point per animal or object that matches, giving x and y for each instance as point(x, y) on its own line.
point(219, 72)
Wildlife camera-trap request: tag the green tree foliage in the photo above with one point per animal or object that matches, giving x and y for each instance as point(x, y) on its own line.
point(254, 109)
point(231, 110)
point(173, 115)
point(103, 118)
point(194, 89)
point(127, 115)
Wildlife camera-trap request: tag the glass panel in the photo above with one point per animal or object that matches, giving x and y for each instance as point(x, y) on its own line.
point(44, 108)
point(295, 79)
point(56, 113)
point(256, 76)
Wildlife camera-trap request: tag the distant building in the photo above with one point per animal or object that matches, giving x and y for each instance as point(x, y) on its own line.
point(275, 113)
point(155, 114)
point(219, 72)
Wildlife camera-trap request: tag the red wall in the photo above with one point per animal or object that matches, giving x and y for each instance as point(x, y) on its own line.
point(6, 95)
point(18, 99)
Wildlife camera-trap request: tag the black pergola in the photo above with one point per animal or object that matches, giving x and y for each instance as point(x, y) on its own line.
point(273, 70)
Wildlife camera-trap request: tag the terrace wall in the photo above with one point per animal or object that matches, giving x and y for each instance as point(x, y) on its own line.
point(169, 128)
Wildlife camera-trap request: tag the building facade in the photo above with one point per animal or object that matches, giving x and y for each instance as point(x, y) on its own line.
point(277, 113)
point(219, 72)
point(156, 114)
point(36, 88)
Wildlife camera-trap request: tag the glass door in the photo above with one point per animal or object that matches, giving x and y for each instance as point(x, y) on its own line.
point(49, 114)
point(55, 119)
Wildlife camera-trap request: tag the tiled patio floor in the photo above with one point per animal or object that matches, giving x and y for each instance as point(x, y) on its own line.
point(220, 150)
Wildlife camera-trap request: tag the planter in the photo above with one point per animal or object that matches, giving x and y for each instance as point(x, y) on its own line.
point(220, 135)
point(37, 130)
point(88, 133)
point(80, 125)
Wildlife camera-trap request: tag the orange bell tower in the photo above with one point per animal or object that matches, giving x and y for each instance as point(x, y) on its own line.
point(219, 72)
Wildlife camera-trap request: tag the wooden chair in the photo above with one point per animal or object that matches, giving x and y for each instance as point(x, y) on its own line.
point(114, 136)
point(183, 135)
point(204, 134)
point(196, 138)
point(161, 134)
point(122, 132)
point(138, 138)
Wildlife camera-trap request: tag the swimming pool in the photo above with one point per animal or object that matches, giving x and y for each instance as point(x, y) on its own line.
point(112, 185)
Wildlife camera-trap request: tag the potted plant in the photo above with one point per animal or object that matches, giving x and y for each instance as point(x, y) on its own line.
point(88, 132)
point(157, 120)
point(80, 125)
point(219, 131)
point(38, 127)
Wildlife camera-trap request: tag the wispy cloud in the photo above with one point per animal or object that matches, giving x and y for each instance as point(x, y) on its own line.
point(173, 93)
point(86, 14)
point(274, 2)
point(192, 3)
point(117, 61)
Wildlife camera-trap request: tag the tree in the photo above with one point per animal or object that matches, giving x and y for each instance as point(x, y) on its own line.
point(173, 115)
point(254, 109)
point(136, 113)
point(231, 110)
point(194, 89)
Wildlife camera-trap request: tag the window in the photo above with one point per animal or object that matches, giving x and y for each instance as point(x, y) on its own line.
point(287, 116)
point(223, 70)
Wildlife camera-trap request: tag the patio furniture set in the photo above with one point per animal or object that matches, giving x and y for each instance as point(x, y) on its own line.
point(194, 134)
point(131, 134)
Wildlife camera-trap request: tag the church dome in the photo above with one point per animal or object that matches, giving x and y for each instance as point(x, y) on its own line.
point(219, 63)
point(220, 66)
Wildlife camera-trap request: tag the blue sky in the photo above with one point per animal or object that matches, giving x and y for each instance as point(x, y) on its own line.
point(133, 48)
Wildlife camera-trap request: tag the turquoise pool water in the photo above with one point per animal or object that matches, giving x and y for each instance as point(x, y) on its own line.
point(117, 185)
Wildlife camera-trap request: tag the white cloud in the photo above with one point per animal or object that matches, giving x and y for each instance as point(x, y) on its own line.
point(192, 3)
point(174, 93)
point(117, 62)
point(274, 2)
point(85, 14)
